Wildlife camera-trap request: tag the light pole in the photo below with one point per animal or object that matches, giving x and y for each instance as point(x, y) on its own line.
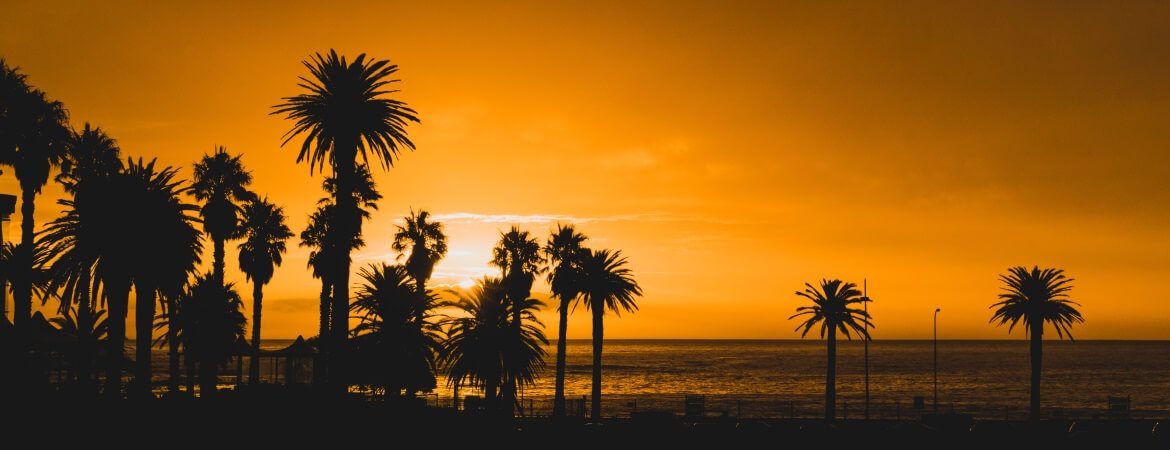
point(936, 311)
point(865, 305)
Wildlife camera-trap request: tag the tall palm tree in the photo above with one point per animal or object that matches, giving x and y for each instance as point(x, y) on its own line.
point(397, 341)
point(345, 113)
point(483, 349)
point(90, 154)
point(565, 252)
point(518, 256)
point(33, 136)
point(137, 230)
point(834, 307)
point(261, 252)
point(316, 235)
point(427, 245)
point(221, 183)
point(606, 285)
point(1037, 296)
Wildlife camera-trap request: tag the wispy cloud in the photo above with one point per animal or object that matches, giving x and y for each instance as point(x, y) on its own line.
point(470, 217)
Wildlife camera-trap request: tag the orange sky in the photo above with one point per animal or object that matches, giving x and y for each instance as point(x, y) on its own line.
point(733, 150)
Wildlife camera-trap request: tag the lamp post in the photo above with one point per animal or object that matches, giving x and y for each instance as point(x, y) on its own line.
point(936, 311)
point(865, 340)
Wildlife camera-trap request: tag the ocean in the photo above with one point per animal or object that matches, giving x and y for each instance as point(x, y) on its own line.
point(783, 378)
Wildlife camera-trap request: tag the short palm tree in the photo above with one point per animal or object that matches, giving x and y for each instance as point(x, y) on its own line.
point(834, 307)
point(483, 349)
point(396, 339)
point(565, 251)
point(346, 113)
point(427, 245)
point(33, 136)
point(1037, 296)
point(607, 284)
point(221, 183)
point(209, 321)
point(261, 253)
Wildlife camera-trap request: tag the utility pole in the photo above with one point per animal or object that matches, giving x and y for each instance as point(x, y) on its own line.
point(936, 311)
point(865, 339)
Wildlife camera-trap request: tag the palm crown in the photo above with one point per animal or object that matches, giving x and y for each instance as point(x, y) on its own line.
point(1037, 296)
point(221, 182)
point(426, 241)
point(607, 283)
point(834, 308)
point(265, 234)
point(565, 252)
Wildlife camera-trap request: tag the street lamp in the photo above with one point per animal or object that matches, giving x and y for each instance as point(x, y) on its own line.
point(936, 311)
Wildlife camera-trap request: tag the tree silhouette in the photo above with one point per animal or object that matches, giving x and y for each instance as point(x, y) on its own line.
point(33, 136)
point(261, 252)
point(137, 230)
point(518, 256)
point(833, 308)
point(396, 339)
point(346, 113)
point(427, 245)
point(483, 348)
point(566, 253)
point(607, 285)
point(209, 321)
point(323, 256)
point(221, 183)
point(1036, 296)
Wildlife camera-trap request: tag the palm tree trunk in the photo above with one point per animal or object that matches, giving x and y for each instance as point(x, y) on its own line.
point(22, 286)
point(117, 300)
point(144, 328)
point(191, 365)
point(172, 348)
point(831, 377)
point(319, 366)
point(208, 377)
point(598, 338)
point(85, 340)
point(253, 362)
point(1037, 344)
point(217, 262)
point(559, 391)
point(347, 229)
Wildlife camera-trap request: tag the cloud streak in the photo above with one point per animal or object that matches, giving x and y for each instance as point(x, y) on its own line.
point(470, 217)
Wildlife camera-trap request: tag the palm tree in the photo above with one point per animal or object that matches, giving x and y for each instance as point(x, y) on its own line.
point(606, 285)
point(88, 331)
point(90, 154)
point(33, 136)
point(518, 257)
point(395, 337)
point(834, 307)
point(427, 245)
point(1037, 296)
point(135, 228)
point(346, 113)
point(261, 252)
point(483, 349)
point(565, 254)
point(321, 259)
point(209, 321)
point(221, 183)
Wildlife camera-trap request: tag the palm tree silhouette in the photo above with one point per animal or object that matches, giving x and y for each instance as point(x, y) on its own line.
point(833, 308)
point(346, 113)
point(90, 154)
point(395, 338)
point(261, 252)
point(137, 230)
point(606, 284)
point(221, 183)
point(1037, 296)
point(484, 349)
point(427, 245)
point(33, 136)
point(565, 252)
point(518, 256)
point(209, 321)
point(88, 330)
point(322, 258)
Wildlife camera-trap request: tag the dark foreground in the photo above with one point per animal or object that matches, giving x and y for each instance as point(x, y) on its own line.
point(271, 422)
